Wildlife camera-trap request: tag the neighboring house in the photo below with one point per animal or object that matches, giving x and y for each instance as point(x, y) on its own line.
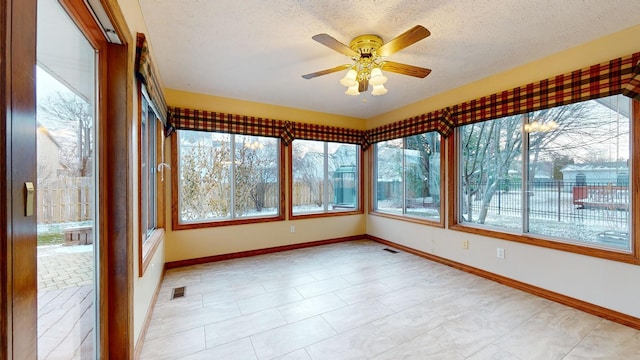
point(48, 155)
point(601, 173)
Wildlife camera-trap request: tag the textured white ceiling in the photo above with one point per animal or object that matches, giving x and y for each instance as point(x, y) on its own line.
point(257, 50)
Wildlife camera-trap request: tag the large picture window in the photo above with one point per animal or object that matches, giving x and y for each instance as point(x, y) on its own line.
point(407, 176)
point(560, 174)
point(325, 177)
point(227, 177)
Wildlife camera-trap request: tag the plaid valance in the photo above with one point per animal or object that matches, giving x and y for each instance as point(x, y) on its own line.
point(618, 76)
point(439, 120)
point(632, 87)
point(145, 73)
point(287, 131)
point(330, 133)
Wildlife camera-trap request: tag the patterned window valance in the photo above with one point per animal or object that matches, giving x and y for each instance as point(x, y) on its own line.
point(618, 76)
point(145, 73)
point(329, 133)
point(439, 120)
point(287, 131)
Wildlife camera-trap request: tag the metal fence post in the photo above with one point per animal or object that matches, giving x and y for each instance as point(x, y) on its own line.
point(559, 199)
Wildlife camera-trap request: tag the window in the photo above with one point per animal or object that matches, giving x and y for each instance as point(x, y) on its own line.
point(560, 174)
point(407, 176)
point(151, 193)
point(227, 177)
point(325, 177)
point(149, 125)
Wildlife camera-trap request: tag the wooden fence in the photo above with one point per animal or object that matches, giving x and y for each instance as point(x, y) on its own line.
point(65, 200)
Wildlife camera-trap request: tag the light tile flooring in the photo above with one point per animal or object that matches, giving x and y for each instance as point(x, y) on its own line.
point(354, 300)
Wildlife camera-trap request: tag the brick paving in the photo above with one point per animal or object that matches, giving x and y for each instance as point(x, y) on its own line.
point(65, 302)
point(61, 267)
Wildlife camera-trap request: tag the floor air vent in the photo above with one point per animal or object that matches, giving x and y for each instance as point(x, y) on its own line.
point(390, 250)
point(178, 292)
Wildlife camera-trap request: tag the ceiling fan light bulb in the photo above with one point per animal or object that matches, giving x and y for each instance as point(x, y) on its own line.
point(378, 90)
point(349, 79)
point(352, 90)
point(377, 78)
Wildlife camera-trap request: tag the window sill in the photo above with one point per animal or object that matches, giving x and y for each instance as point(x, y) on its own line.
point(217, 223)
point(608, 254)
point(312, 215)
point(148, 250)
point(407, 218)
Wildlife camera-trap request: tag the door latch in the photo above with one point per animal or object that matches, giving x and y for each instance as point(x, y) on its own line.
point(30, 191)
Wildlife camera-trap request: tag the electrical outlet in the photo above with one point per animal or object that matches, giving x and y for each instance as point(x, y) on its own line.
point(465, 244)
point(293, 228)
point(500, 253)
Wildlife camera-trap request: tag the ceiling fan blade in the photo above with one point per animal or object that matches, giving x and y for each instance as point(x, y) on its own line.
point(400, 42)
point(327, 71)
point(405, 69)
point(334, 44)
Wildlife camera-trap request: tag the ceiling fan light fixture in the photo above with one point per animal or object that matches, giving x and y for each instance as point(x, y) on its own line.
point(368, 53)
point(349, 80)
point(352, 90)
point(378, 90)
point(377, 78)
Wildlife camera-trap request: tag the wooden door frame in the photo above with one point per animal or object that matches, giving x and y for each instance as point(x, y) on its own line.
point(18, 292)
point(18, 279)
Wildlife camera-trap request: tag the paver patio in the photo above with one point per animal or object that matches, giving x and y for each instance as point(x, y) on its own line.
point(65, 302)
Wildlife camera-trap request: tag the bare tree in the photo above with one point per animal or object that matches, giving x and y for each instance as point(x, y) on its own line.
point(492, 148)
point(489, 150)
point(427, 145)
point(255, 172)
point(71, 117)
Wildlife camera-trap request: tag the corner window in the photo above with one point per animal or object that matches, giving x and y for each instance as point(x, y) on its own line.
point(226, 177)
point(558, 174)
point(407, 176)
point(325, 177)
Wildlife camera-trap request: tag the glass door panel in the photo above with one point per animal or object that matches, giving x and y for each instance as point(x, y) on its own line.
point(66, 187)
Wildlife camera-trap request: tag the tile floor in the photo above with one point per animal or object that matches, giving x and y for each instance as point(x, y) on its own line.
point(354, 300)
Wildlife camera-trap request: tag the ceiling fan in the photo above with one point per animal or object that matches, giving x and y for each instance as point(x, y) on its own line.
point(368, 53)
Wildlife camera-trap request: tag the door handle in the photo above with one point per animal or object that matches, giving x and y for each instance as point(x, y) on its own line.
point(30, 191)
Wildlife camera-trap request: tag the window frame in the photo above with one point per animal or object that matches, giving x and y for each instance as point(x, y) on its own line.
point(149, 240)
point(404, 217)
point(175, 193)
point(631, 256)
point(359, 209)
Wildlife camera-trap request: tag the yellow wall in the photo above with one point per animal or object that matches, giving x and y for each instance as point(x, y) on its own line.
point(185, 99)
point(189, 244)
point(144, 287)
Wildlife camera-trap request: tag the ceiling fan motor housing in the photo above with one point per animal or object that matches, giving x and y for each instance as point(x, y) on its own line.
point(366, 45)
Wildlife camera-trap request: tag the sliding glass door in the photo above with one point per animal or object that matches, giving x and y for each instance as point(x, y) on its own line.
point(67, 245)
